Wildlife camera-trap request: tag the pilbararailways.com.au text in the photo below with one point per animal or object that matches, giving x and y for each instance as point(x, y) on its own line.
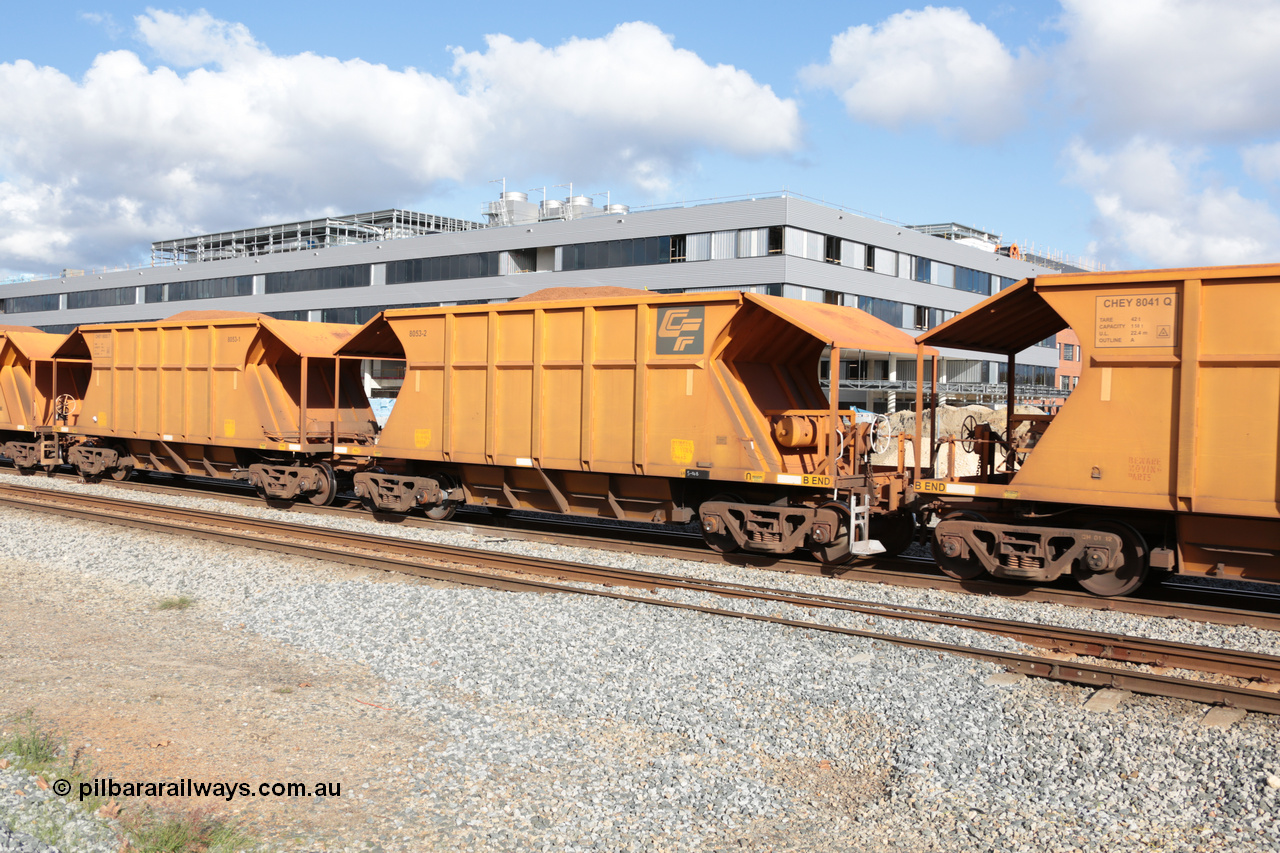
point(190, 788)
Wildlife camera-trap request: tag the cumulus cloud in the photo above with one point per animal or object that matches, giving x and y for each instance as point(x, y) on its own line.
point(1195, 70)
point(130, 152)
point(935, 66)
point(1262, 162)
point(1153, 208)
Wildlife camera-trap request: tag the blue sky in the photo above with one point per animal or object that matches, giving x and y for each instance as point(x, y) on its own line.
point(1141, 133)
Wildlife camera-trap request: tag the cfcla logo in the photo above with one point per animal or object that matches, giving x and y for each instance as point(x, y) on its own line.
point(680, 330)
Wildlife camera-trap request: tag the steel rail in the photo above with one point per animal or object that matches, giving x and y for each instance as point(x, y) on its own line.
point(339, 546)
point(905, 572)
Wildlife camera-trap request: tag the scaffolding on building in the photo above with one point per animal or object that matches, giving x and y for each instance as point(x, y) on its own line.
point(302, 236)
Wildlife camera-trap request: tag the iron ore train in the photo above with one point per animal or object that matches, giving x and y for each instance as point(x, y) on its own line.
point(671, 408)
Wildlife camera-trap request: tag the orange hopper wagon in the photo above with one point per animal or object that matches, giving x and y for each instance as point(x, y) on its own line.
point(642, 407)
point(28, 405)
point(217, 394)
point(1164, 457)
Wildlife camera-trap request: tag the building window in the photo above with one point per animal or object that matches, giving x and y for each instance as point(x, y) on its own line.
point(1065, 382)
point(1068, 352)
point(28, 304)
point(327, 278)
point(678, 252)
point(973, 281)
point(921, 270)
point(832, 297)
point(1028, 374)
point(831, 250)
point(884, 309)
point(863, 369)
point(1051, 342)
point(205, 288)
point(301, 316)
point(776, 244)
point(621, 253)
point(357, 316)
point(443, 268)
point(102, 298)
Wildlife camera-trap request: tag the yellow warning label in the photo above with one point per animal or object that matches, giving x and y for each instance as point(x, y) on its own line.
point(229, 428)
point(754, 476)
point(681, 451)
point(1011, 494)
point(1136, 320)
point(422, 438)
point(815, 480)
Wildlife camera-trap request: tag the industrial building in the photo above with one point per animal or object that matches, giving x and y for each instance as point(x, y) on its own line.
point(347, 268)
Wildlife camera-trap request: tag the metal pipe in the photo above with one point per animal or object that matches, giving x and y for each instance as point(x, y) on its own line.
point(1011, 399)
point(915, 451)
point(933, 416)
point(834, 403)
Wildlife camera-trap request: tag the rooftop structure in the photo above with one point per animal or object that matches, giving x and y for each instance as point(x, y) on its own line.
point(299, 236)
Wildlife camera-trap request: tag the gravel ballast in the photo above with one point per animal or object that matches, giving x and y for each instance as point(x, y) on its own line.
point(562, 722)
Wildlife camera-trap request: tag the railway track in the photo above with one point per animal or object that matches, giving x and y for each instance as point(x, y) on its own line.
point(1170, 600)
point(497, 570)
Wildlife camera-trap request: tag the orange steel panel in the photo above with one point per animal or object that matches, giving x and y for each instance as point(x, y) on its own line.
point(224, 378)
point(645, 384)
point(26, 377)
point(1178, 405)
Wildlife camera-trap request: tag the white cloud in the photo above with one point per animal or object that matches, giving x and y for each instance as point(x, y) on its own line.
point(1152, 211)
point(1179, 69)
point(131, 153)
point(198, 39)
point(1262, 162)
point(935, 66)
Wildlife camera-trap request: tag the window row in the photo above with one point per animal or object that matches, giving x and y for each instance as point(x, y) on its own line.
point(27, 304)
point(446, 268)
point(640, 251)
point(103, 298)
point(832, 250)
point(1028, 374)
point(326, 278)
point(205, 288)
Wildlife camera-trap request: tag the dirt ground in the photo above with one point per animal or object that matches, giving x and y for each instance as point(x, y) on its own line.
point(155, 695)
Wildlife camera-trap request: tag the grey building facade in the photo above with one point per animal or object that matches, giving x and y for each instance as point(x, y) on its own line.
point(346, 269)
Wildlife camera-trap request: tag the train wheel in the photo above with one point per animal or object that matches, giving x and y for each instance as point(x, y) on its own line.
point(444, 510)
point(28, 471)
point(721, 541)
point(960, 568)
point(894, 530)
point(328, 486)
point(838, 551)
point(1129, 575)
point(121, 472)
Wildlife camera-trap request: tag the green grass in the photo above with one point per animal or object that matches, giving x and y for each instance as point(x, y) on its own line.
point(283, 690)
point(181, 602)
point(35, 747)
point(39, 749)
point(192, 831)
